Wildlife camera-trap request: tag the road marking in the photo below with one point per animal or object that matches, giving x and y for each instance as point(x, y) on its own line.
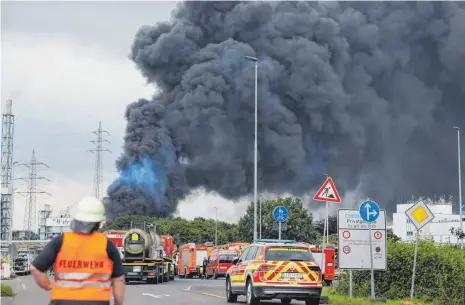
point(23, 286)
point(166, 295)
point(188, 288)
point(213, 295)
point(152, 295)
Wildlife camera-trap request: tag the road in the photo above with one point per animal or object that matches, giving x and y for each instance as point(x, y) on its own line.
point(177, 292)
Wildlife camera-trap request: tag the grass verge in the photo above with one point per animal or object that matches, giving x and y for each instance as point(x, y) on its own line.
point(7, 291)
point(345, 300)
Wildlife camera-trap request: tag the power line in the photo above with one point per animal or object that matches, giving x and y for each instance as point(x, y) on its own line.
point(30, 215)
point(98, 159)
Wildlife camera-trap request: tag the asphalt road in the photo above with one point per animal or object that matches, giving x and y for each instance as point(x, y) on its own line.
point(177, 292)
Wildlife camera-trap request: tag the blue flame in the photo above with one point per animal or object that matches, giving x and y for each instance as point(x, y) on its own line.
point(146, 174)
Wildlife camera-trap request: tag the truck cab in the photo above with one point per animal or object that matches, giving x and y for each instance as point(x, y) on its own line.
point(219, 262)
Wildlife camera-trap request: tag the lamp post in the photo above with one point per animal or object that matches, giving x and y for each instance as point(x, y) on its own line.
point(260, 217)
point(460, 182)
point(216, 227)
point(254, 59)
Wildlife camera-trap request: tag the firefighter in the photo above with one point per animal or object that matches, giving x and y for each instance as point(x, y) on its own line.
point(87, 266)
point(204, 265)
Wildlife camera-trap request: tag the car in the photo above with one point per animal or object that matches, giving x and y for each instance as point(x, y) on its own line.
point(275, 269)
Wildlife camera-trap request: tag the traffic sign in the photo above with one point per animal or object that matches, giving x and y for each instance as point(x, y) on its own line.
point(419, 214)
point(378, 235)
point(369, 211)
point(360, 242)
point(346, 249)
point(280, 213)
point(346, 234)
point(328, 192)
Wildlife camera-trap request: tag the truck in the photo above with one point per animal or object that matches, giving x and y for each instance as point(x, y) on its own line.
point(190, 259)
point(326, 259)
point(238, 246)
point(148, 256)
point(116, 236)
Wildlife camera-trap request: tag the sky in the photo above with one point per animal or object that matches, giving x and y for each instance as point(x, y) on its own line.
point(65, 66)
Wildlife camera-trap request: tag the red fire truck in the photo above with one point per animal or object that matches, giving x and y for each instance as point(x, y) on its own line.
point(116, 236)
point(326, 259)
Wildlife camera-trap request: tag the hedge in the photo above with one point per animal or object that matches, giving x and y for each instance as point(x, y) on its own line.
point(7, 291)
point(440, 274)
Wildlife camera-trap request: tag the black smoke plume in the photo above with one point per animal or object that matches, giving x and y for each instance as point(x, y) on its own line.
point(367, 92)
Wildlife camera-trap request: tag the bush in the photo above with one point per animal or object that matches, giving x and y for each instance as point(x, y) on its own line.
point(7, 291)
point(440, 274)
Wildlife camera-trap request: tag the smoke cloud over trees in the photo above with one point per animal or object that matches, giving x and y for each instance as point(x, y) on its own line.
point(367, 92)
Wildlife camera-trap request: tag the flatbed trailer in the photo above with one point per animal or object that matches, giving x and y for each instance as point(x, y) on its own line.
point(151, 271)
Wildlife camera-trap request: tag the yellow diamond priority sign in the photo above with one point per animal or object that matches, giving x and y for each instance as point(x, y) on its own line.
point(419, 214)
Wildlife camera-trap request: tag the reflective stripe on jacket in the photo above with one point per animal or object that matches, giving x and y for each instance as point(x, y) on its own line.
point(82, 268)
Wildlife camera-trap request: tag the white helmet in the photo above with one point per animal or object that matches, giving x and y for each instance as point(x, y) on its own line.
point(90, 209)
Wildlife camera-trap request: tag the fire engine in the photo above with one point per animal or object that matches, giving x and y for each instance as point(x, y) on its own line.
point(238, 246)
point(116, 236)
point(326, 259)
point(191, 258)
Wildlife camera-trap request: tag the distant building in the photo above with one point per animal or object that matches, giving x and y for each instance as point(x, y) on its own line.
point(437, 230)
point(49, 227)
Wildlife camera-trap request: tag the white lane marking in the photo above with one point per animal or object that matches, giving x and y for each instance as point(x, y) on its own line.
point(23, 286)
point(188, 288)
point(152, 295)
point(166, 295)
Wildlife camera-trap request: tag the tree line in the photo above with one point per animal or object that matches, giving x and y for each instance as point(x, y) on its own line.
point(300, 225)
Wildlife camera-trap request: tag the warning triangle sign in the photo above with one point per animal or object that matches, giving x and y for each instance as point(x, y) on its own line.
point(328, 192)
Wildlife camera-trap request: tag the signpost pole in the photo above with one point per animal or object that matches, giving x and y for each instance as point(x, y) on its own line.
point(371, 266)
point(414, 267)
point(324, 239)
point(279, 229)
point(350, 286)
point(327, 224)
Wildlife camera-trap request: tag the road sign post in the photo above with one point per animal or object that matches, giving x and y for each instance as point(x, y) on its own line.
point(420, 215)
point(280, 214)
point(369, 212)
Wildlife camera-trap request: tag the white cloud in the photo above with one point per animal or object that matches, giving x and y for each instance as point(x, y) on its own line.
point(60, 90)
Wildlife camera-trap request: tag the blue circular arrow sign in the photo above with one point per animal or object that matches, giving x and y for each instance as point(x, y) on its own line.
point(369, 211)
point(280, 213)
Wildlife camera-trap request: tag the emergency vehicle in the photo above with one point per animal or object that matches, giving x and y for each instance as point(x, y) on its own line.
point(219, 262)
point(117, 236)
point(326, 259)
point(275, 269)
point(190, 259)
point(238, 246)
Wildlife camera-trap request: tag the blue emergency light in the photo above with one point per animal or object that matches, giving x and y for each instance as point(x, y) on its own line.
point(275, 241)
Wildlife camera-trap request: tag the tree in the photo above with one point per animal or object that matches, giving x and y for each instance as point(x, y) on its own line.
point(299, 224)
point(332, 225)
point(457, 232)
point(184, 231)
point(390, 235)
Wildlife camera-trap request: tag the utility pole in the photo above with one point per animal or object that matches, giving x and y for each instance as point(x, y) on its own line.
point(98, 159)
point(7, 195)
point(255, 229)
point(30, 215)
point(460, 183)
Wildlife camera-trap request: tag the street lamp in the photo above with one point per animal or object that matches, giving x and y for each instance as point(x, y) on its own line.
point(460, 181)
point(216, 227)
point(254, 59)
point(260, 217)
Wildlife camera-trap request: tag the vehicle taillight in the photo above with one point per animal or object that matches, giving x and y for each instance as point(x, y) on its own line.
point(265, 268)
